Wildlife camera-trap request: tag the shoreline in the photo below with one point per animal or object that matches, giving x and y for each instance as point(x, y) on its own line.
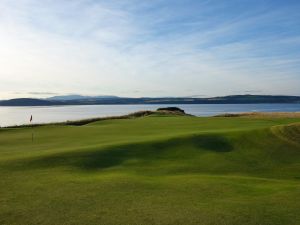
point(139, 114)
point(146, 113)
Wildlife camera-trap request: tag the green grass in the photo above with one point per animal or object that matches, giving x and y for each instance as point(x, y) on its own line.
point(153, 170)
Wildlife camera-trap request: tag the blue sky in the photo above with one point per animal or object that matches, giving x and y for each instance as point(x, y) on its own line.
point(149, 48)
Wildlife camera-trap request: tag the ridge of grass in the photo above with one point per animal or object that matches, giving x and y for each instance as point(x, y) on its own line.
point(289, 133)
point(262, 115)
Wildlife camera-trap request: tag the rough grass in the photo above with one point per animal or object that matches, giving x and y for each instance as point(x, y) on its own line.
point(263, 115)
point(153, 170)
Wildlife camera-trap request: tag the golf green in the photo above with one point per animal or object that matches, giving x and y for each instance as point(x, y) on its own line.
point(152, 170)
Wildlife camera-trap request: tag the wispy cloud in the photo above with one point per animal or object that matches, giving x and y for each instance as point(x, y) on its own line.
point(179, 48)
point(43, 93)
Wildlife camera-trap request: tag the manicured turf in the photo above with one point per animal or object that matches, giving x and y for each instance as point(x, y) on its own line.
point(153, 170)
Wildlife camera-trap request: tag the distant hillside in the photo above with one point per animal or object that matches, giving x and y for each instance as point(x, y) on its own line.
point(27, 102)
point(109, 100)
point(257, 99)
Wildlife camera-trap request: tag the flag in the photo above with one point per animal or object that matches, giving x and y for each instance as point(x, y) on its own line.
point(30, 118)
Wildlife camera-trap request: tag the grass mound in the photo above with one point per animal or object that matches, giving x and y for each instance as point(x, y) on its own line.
point(290, 133)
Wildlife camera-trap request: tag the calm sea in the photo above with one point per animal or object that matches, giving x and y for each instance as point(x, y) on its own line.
point(20, 115)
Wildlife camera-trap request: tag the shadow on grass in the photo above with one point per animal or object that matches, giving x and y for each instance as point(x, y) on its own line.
point(139, 153)
point(213, 143)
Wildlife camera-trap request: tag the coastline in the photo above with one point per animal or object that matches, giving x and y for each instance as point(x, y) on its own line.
point(145, 113)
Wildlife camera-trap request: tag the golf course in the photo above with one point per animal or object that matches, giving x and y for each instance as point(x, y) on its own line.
point(156, 169)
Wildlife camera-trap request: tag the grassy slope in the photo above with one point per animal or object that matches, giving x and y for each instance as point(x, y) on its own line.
point(153, 170)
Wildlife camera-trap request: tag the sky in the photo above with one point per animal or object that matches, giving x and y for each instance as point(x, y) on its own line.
point(154, 48)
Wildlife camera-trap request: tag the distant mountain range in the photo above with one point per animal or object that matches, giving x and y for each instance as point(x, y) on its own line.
point(110, 100)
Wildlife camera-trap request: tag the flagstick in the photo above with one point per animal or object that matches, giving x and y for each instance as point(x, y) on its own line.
point(31, 132)
point(31, 129)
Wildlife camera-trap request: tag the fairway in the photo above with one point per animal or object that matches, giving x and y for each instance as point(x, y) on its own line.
point(152, 170)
